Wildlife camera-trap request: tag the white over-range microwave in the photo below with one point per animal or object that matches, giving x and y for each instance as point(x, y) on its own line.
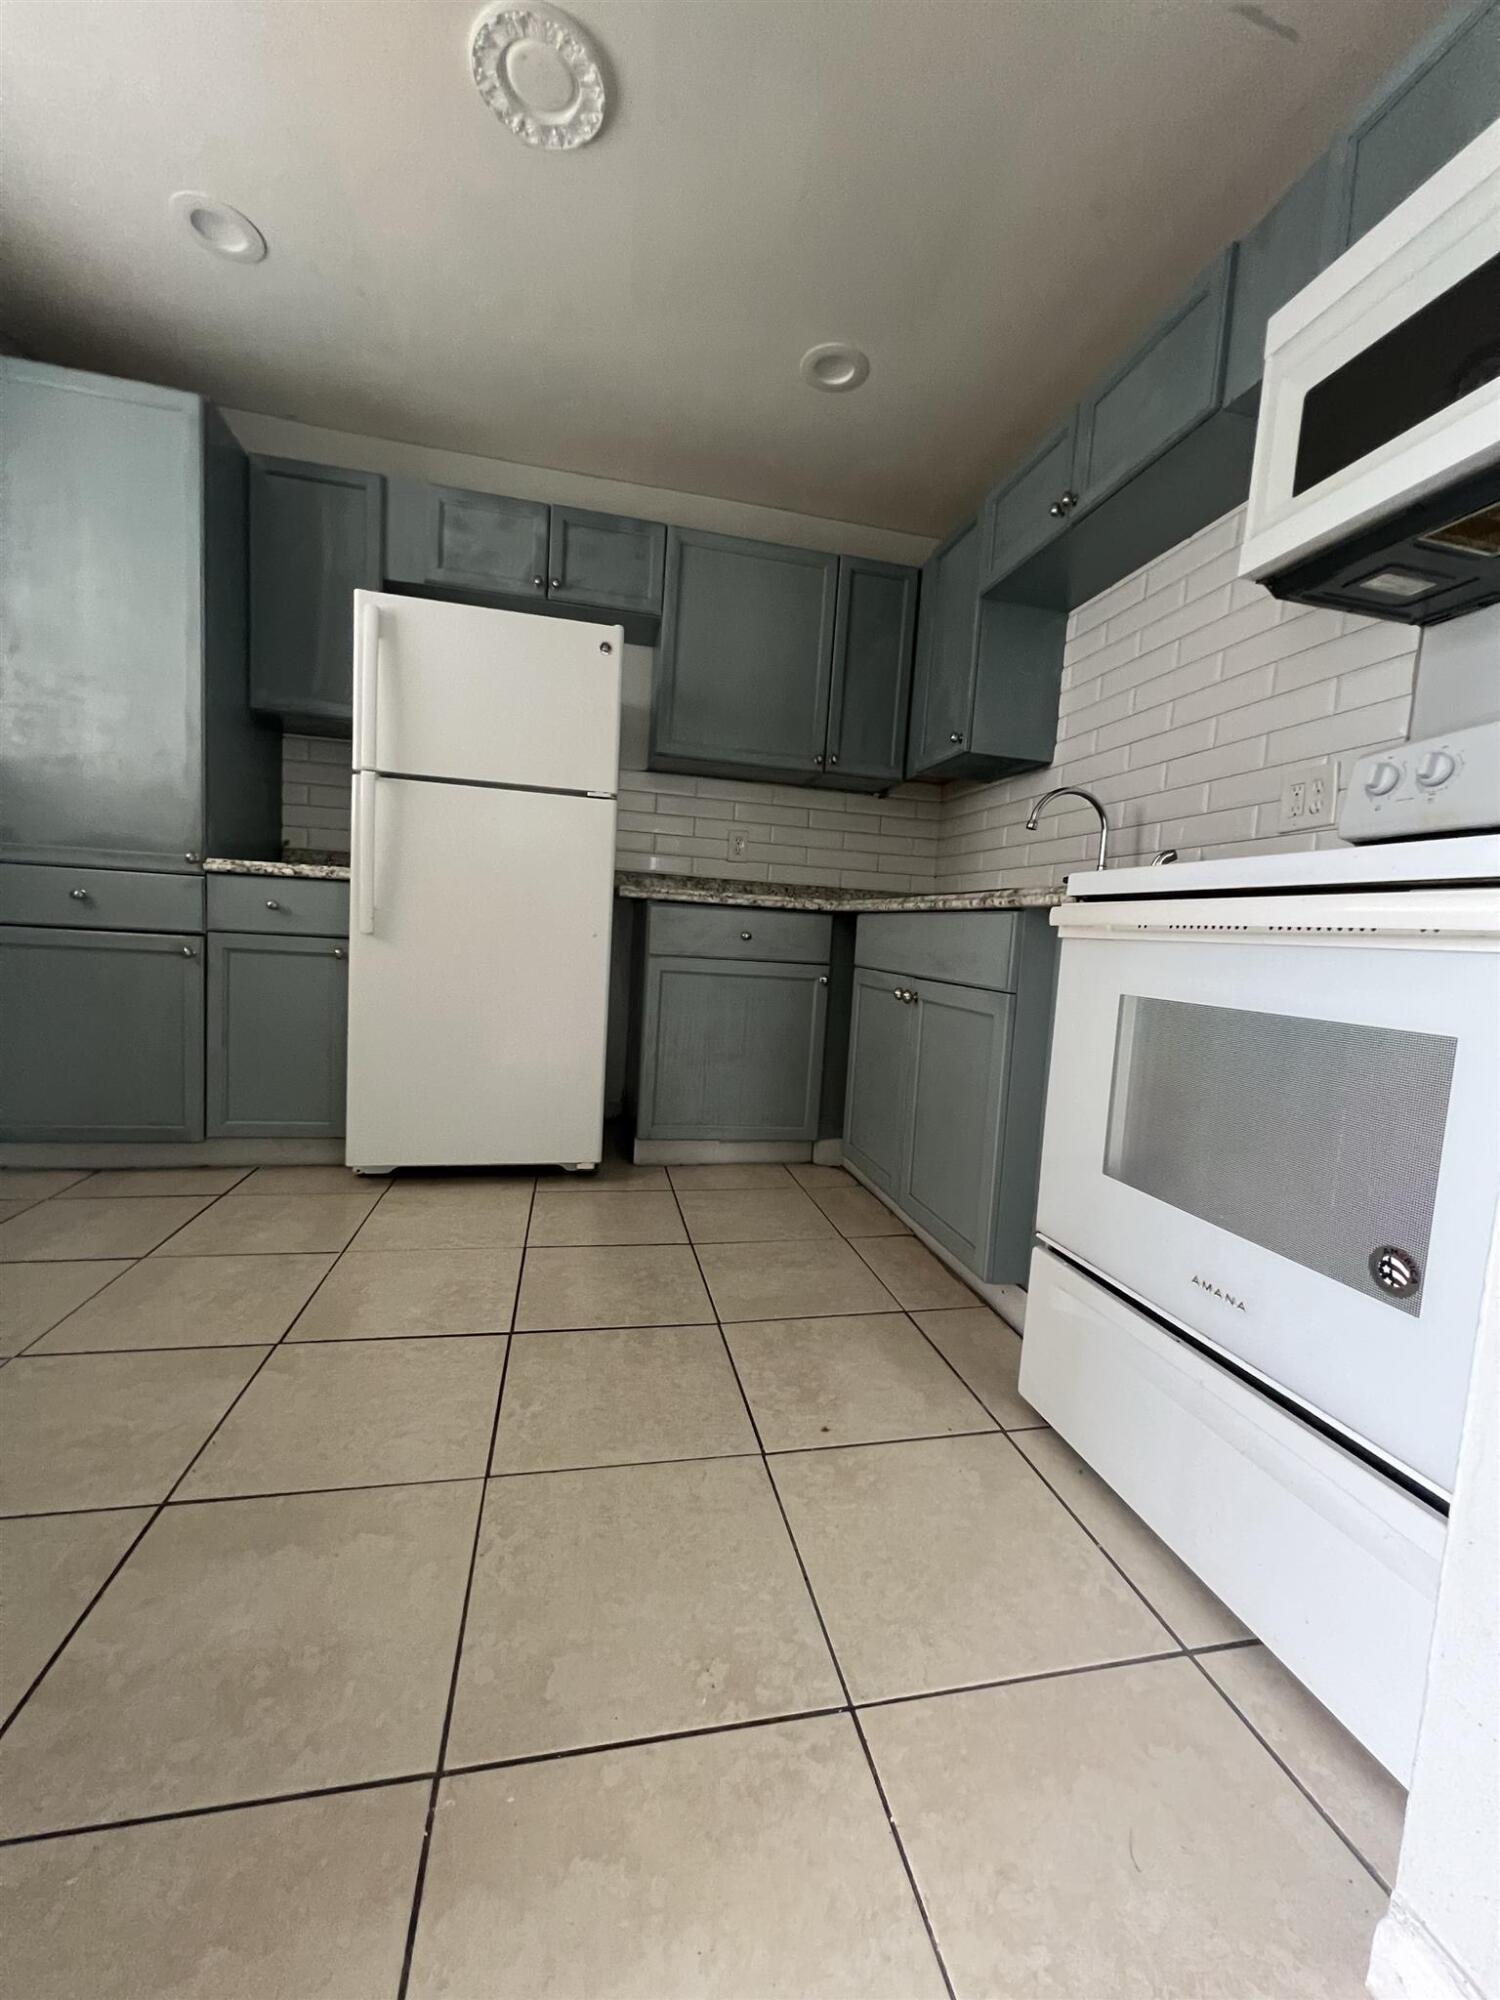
point(1376, 485)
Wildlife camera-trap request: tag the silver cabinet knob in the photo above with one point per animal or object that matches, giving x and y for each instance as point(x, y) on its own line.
point(188, 952)
point(955, 736)
point(539, 583)
point(555, 584)
point(896, 993)
point(745, 937)
point(338, 951)
point(833, 759)
point(822, 978)
point(79, 895)
point(190, 856)
point(1063, 505)
point(819, 762)
point(272, 904)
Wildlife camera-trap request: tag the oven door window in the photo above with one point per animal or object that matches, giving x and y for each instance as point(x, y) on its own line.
point(1318, 1140)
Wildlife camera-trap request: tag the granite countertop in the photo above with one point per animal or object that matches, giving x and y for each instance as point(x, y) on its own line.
point(313, 871)
point(648, 888)
point(792, 896)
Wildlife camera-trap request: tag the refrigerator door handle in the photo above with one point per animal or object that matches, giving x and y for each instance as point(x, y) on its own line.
point(366, 682)
point(364, 851)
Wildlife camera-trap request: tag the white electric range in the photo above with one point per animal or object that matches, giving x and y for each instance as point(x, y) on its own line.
point(1269, 1178)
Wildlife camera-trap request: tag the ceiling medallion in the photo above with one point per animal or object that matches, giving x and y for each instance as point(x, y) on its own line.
point(540, 74)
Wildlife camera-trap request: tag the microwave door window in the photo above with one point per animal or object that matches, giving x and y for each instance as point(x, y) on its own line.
point(1318, 1140)
point(1426, 364)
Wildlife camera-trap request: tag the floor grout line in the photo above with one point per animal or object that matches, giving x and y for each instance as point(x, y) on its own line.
point(837, 1664)
point(160, 1507)
point(1327, 1817)
point(425, 1851)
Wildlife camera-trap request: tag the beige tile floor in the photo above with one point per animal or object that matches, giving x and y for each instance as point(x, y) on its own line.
point(651, 1588)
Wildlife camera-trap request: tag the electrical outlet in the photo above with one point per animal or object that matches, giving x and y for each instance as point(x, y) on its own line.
point(1310, 795)
point(738, 843)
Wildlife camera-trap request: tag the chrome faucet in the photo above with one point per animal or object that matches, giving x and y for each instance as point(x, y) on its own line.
point(1072, 792)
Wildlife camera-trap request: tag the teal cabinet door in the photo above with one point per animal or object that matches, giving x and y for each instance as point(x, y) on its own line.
point(315, 538)
point(1032, 504)
point(1171, 382)
point(943, 691)
point(877, 1104)
point(1283, 252)
point(743, 670)
point(1444, 97)
point(277, 1017)
point(105, 607)
point(959, 1065)
point(874, 628)
point(447, 536)
point(605, 561)
point(103, 1035)
point(731, 1050)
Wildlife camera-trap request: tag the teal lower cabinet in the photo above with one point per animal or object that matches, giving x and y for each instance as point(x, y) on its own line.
point(277, 1016)
point(732, 1008)
point(102, 1036)
point(876, 1107)
point(948, 1044)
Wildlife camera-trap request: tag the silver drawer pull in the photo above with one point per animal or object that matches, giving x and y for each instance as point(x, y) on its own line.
point(272, 904)
point(338, 951)
point(744, 937)
point(79, 895)
point(188, 952)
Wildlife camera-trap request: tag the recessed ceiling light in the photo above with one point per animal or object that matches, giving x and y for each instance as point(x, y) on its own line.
point(540, 74)
point(218, 227)
point(835, 365)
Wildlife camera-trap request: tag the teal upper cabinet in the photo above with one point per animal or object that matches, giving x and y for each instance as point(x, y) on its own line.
point(444, 536)
point(1162, 390)
point(1430, 110)
point(315, 538)
point(1283, 252)
point(743, 670)
point(605, 561)
point(874, 627)
point(1031, 506)
point(943, 691)
point(126, 739)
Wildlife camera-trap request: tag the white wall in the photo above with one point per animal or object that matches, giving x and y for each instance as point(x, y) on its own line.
point(1185, 695)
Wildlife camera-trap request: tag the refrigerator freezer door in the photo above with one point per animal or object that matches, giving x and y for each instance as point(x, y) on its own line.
point(477, 994)
point(488, 697)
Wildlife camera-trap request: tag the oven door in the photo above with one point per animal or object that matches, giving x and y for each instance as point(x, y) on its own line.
point(1274, 1122)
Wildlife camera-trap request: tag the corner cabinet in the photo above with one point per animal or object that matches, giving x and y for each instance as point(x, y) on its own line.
point(731, 1015)
point(949, 1029)
point(988, 673)
point(316, 536)
point(782, 663)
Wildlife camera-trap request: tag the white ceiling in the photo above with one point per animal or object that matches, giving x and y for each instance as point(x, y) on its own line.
point(990, 196)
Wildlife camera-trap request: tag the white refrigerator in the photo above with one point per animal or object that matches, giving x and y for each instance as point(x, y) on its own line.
point(486, 757)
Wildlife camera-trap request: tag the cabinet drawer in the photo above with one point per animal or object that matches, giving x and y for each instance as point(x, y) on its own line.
point(111, 899)
point(695, 930)
point(964, 947)
point(292, 906)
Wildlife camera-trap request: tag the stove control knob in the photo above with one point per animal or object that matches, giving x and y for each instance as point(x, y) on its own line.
point(1435, 769)
point(1383, 778)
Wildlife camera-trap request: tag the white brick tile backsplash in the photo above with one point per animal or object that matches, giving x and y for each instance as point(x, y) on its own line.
point(1210, 689)
point(1185, 695)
